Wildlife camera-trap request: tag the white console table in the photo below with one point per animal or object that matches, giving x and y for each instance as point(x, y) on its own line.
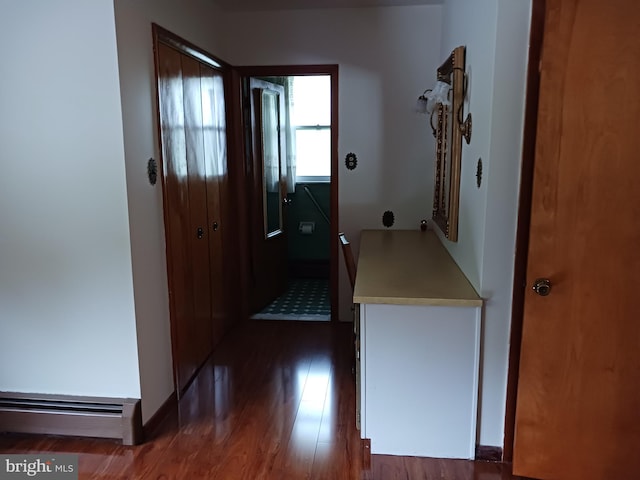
point(419, 337)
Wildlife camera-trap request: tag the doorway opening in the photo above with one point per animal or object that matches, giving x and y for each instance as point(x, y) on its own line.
point(307, 268)
point(308, 199)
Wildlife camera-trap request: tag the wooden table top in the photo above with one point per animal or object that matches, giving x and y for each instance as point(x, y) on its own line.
point(409, 267)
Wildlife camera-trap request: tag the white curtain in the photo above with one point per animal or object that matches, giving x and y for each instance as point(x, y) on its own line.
point(270, 141)
point(290, 135)
point(289, 148)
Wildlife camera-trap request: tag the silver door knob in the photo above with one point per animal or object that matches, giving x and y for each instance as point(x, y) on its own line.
point(542, 286)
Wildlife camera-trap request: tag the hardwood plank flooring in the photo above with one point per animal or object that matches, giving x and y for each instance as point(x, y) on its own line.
point(275, 402)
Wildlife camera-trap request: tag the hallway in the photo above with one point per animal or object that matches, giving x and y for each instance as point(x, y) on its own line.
point(276, 401)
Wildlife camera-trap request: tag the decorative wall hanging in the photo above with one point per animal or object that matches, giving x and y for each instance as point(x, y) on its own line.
point(351, 161)
point(451, 128)
point(152, 171)
point(388, 218)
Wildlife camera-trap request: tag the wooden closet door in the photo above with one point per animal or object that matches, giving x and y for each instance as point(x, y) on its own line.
point(194, 166)
point(202, 339)
point(215, 158)
point(178, 229)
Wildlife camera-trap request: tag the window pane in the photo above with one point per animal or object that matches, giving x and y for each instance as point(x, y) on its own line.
point(311, 100)
point(313, 151)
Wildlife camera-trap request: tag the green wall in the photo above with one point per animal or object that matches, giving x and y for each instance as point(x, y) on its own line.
point(313, 247)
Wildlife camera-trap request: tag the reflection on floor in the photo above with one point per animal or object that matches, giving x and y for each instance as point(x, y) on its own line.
point(275, 401)
point(305, 299)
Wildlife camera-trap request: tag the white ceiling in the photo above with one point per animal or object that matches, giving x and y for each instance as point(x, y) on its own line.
point(247, 5)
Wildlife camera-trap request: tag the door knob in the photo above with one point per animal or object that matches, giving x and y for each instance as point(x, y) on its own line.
point(542, 286)
point(200, 232)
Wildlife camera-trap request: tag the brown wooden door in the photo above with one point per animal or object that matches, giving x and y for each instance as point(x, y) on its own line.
point(267, 193)
point(194, 159)
point(215, 157)
point(178, 225)
point(201, 340)
point(578, 406)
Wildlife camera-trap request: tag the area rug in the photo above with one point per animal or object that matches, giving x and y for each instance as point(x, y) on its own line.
point(305, 299)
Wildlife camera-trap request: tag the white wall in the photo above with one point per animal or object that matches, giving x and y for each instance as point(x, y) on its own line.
point(67, 320)
point(196, 22)
point(67, 316)
point(387, 57)
point(496, 34)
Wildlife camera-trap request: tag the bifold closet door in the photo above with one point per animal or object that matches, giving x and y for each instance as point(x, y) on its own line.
point(202, 341)
point(215, 158)
point(189, 201)
point(176, 205)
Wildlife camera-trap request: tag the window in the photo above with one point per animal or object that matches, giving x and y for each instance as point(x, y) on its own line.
point(311, 120)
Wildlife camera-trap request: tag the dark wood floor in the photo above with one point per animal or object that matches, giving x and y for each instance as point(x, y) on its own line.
point(277, 402)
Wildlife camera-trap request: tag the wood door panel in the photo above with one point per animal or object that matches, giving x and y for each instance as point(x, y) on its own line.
point(192, 101)
point(176, 195)
point(215, 157)
point(193, 141)
point(578, 408)
point(269, 254)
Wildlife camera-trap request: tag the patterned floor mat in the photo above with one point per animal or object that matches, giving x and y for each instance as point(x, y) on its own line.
point(305, 299)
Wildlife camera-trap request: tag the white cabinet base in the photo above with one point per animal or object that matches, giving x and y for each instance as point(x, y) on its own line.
point(419, 379)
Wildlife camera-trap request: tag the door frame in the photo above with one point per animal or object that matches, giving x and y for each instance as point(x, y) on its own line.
point(538, 10)
point(291, 70)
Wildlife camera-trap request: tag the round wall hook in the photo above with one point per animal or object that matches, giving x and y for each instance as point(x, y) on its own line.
point(152, 171)
point(388, 219)
point(351, 161)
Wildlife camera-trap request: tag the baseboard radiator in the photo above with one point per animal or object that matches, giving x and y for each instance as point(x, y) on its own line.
point(72, 415)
